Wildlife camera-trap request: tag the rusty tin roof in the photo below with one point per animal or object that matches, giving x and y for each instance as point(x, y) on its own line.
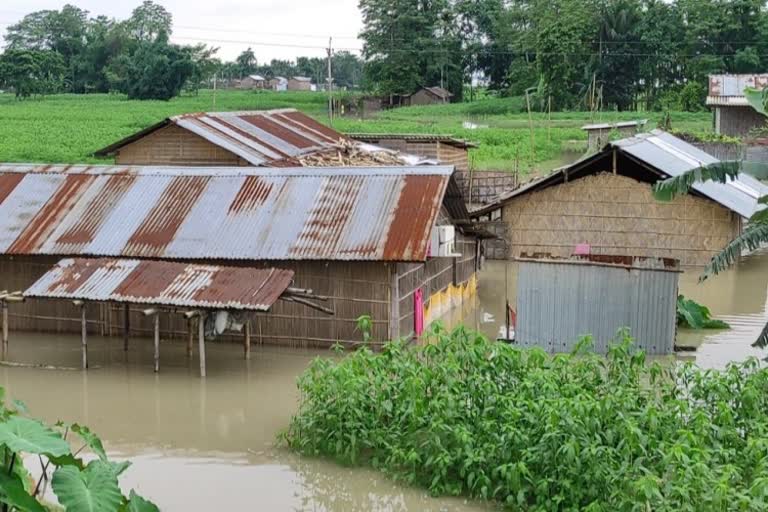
point(224, 213)
point(260, 137)
point(163, 283)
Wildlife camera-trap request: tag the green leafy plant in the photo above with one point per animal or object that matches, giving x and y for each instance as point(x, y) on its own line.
point(693, 315)
point(463, 415)
point(364, 325)
point(78, 487)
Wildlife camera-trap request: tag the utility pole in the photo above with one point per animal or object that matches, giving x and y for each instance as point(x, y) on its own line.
point(330, 80)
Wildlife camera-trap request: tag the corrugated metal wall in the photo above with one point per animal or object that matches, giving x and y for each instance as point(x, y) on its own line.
point(559, 302)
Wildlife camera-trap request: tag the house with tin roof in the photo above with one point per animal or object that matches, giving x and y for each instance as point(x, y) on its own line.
point(733, 115)
point(303, 252)
point(604, 204)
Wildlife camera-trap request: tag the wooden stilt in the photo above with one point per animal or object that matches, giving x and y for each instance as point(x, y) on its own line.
point(84, 333)
point(190, 336)
point(126, 326)
point(5, 330)
point(247, 340)
point(201, 342)
point(157, 343)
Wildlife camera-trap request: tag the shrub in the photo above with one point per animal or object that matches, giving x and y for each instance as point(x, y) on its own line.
point(466, 416)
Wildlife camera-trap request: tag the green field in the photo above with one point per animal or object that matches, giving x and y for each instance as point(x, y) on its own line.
point(69, 128)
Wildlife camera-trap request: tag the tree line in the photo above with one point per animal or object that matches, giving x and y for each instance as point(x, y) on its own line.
point(67, 50)
point(620, 54)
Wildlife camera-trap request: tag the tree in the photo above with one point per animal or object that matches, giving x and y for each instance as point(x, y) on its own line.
point(149, 22)
point(155, 71)
point(246, 63)
point(31, 72)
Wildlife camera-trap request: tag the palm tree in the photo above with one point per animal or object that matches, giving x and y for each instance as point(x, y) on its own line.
point(754, 236)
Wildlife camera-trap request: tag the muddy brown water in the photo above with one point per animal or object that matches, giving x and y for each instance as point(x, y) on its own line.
point(210, 444)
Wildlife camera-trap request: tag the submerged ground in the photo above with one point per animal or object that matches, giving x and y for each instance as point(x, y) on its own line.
point(69, 128)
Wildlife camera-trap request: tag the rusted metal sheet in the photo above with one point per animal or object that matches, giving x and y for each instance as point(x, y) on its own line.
point(262, 138)
point(246, 213)
point(163, 283)
point(734, 85)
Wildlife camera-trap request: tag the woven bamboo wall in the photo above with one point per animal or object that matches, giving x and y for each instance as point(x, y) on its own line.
point(175, 146)
point(354, 288)
point(433, 276)
point(617, 215)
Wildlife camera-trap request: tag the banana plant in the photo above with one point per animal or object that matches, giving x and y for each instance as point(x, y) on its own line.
point(754, 236)
point(79, 487)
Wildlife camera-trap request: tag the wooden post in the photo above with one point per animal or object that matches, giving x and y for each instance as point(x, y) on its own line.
point(614, 160)
point(157, 342)
point(201, 342)
point(84, 333)
point(247, 341)
point(5, 330)
point(190, 336)
point(126, 325)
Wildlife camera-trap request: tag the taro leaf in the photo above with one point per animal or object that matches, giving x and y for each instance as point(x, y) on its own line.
point(12, 493)
point(692, 314)
point(20, 406)
point(138, 504)
point(118, 468)
point(30, 436)
point(94, 489)
point(91, 440)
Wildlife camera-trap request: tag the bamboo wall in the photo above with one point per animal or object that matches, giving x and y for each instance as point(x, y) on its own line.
point(617, 215)
point(354, 289)
point(173, 145)
point(433, 277)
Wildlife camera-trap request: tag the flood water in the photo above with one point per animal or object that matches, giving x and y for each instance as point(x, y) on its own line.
point(210, 444)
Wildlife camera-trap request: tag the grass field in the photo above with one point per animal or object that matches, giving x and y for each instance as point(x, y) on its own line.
point(69, 128)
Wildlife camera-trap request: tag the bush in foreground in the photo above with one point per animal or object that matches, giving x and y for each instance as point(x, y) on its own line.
point(467, 416)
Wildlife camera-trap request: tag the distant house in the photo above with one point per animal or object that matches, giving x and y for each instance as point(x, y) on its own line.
point(605, 202)
point(268, 138)
point(733, 114)
point(278, 83)
point(430, 96)
point(598, 134)
point(299, 83)
point(253, 82)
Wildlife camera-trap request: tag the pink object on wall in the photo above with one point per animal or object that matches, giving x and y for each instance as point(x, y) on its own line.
point(418, 312)
point(582, 249)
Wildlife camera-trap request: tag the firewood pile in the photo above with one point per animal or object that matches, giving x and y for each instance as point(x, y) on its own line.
point(348, 154)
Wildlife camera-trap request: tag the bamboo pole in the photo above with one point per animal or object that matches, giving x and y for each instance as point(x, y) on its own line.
point(157, 342)
point(84, 334)
point(201, 342)
point(126, 325)
point(5, 330)
point(247, 341)
point(190, 336)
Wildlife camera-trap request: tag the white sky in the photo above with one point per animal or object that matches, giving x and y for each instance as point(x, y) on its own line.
point(233, 25)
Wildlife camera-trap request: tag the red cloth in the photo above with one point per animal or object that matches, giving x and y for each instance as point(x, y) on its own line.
point(418, 312)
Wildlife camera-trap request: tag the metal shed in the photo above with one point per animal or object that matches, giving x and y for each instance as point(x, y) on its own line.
point(561, 300)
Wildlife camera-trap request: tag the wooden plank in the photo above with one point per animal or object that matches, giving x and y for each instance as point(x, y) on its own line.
point(126, 325)
point(190, 336)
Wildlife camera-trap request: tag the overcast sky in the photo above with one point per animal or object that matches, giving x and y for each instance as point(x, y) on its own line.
point(233, 25)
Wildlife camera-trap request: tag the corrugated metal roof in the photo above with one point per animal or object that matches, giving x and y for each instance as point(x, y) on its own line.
point(163, 283)
point(439, 92)
point(723, 86)
point(608, 126)
point(372, 213)
point(727, 101)
point(673, 157)
point(259, 137)
point(668, 155)
point(413, 137)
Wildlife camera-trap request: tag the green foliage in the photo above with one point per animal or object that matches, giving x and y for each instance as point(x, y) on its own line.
point(78, 487)
point(756, 99)
point(720, 172)
point(463, 415)
point(693, 315)
point(364, 325)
